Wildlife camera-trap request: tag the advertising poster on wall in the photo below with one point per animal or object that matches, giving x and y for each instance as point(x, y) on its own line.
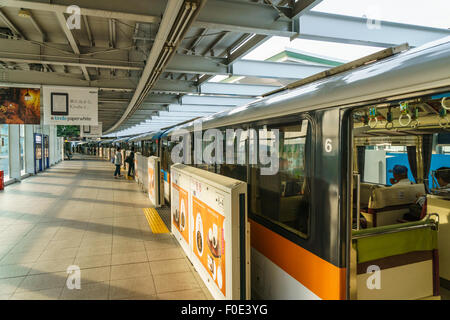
point(136, 177)
point(181, 214)
point(20, 105)
point(151, 182)
point(87, 131)
point(209, 241)
point(70, 105)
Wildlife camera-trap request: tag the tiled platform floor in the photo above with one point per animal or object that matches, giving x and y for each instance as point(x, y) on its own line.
point(76, 213)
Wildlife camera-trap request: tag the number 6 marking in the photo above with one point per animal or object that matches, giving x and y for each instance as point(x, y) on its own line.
point(328, 146)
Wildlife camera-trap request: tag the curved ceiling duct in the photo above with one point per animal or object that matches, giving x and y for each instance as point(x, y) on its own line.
point(176, 20)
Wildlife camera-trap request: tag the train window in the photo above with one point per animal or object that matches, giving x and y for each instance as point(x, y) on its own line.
point(399, 145)
point(235, 150)
point(376, 158)
point(204, 165)
point(166, 160)
point(402, 140)
point(145, 151)
point(283, 198)
point(153, 150)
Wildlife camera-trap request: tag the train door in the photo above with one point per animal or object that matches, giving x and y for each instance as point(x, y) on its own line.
point(166, 162)
point(398, 235)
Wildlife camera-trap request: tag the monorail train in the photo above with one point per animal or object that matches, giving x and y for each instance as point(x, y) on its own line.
point(340, 217)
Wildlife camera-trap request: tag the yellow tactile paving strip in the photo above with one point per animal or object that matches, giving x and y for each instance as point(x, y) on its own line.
point(154, 221)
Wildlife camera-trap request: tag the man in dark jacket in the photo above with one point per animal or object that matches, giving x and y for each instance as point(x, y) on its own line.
point(130, 160)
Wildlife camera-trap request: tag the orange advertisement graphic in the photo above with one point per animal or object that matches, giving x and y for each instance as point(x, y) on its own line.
point(151, 183)
point(181, 214)
point(20, 105)
point(209, 242)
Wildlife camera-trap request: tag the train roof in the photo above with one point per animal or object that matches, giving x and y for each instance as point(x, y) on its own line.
point(106, 141)
point(418, 69)
point(160, 134)
point(143, 136)
point(122, 139)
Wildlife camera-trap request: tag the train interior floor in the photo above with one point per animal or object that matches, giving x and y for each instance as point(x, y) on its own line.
point(77, 214)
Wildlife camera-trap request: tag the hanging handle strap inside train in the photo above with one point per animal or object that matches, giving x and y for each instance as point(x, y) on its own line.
point(443, 104)
point(415, 118)
point(373, 120)
point(404, 113)
point(443, 122)
point(389, 119)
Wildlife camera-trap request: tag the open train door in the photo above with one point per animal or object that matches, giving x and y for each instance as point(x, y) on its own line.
point(392, 254)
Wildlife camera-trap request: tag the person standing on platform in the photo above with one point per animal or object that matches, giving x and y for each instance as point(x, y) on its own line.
point(130, 161)
point(68, 151)
point(118, 163)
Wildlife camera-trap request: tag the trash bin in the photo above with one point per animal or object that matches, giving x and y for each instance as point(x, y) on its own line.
point(2, 178)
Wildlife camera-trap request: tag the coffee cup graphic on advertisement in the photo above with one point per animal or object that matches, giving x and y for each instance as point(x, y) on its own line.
point(214, 236)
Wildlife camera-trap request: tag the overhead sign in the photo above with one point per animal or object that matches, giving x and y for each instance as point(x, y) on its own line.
point(20, 105)
point(87, 131)
point(70, 106)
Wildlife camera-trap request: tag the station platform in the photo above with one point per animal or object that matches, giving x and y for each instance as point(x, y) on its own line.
point(77, 214)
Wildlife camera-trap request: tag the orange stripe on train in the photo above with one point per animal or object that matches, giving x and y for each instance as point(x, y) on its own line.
point(321, 277)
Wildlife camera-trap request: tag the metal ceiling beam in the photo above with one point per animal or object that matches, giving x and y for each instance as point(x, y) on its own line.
point(168, 114)
point(197, 39)
point(37, 27)
point(88, 31)
point(197, 108)
point(159, 99)
point(173, 8)
point(254, 18)
point(301, 7)
point(175, 86)
point(62, 79)
point(151, 99)
point(130, 10)
point(238, 50)
point(18, 34)
point(62, 50)
point(214, 100)
point(244, 17)
point(354, 30)
point(71, 39)
point(168, 120)
point(233, 16)
point(118, 109)
point(243, 49)
point(148, 112)
point(112, 33)
point(11, 25)
point(128, 85)
point(191, 64)
point(26, 51)
point(211, 47)
point(182, 63)
point(235, 89)
point(68, 63)
point(275, 70)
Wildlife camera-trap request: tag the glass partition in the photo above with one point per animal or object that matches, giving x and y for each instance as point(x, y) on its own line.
point(22, 149)
point(4, 150)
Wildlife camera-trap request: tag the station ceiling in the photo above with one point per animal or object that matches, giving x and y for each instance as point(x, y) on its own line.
point(152, 60)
